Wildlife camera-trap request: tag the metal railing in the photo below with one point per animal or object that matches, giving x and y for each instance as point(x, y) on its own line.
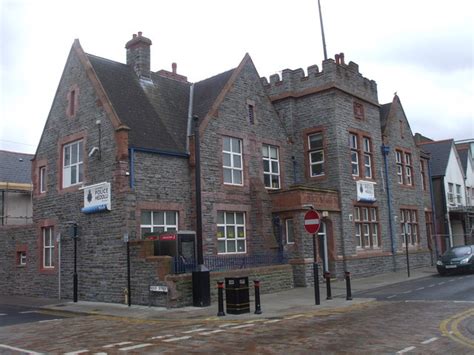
point(230, 262)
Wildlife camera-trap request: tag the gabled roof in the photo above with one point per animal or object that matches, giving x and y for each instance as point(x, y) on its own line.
point(463, 156)
point(207, 91)
point(146, 115)
point(15, 167)
point(384, 112)
point(439, 152)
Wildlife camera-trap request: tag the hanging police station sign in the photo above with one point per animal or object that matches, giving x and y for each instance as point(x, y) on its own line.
point(366, 191)
point(97, 198)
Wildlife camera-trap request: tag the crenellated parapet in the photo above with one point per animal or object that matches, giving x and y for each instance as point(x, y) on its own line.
point(334, 74)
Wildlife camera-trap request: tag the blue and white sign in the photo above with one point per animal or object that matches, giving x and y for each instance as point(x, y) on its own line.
point(366, 191)
point(97, 198)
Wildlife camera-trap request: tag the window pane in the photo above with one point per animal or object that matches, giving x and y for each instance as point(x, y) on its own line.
point(240, 232)
point(226, 159)
point(267, 181)
point(228, 176)
point(356, 214)
point(317, 169)
point(237, 174)
point(67, 155)
point(74, 154)
point(317, 156)
point(146, 217)
point(266, 166)
point(220, 232)
point(275, 182)
point(235, 145)
point(81, 173)
point(171, 218)
point(221, 246)
point(230, 232)
point(273, 153)
point(275, 167)
point(145, 230)
point(231, 246)
point(265, 151)
point(220, 217)
point(241, 246)
point(230, 218)
point(239, 218)
point(81, 151)
point(316, 141)
point(226, 142)
point(73, 174)
point(237, 161)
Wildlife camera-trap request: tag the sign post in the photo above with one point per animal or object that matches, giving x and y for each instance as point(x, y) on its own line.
point(312, 223)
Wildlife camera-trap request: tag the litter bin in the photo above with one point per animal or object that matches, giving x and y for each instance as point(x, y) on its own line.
point(237, 295)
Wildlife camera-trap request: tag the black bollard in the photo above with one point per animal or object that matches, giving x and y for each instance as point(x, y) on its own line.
point(258, 307)
point(327, 276)
point(316, 283)
point(220, 298)
point(348, 286)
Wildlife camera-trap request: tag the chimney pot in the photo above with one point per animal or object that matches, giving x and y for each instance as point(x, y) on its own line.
point(139, 33)
point(174, 66)
point(134, 35)
point(341, 55)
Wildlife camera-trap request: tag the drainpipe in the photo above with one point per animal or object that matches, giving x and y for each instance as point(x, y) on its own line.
point(445, 216)
point(190, 116)
point(385, 152)
point(132, 168)
point(433, 209)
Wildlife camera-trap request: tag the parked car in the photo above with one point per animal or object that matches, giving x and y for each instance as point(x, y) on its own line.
point(456, 259)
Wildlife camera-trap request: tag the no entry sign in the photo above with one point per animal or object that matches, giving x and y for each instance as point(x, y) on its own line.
point(312, 221)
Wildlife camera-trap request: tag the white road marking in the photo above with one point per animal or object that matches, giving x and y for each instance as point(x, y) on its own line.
point(407, 292)
point(432, 285)
point(212, 332)
point(441, 283)
point(169, 340)
point(429, 341)
point(295, 316)
point(19, 349)
point(139, 346)
point(242, 326)
point(100, 353)
point(226, 325)
point(463, 301)
point(77, 352)
point(162, 336)
point(3, 314)
point(48, 320)
point(392, 296)
point(117, 344)
point(410, 348)
point(451, 280)
point(420, 288)
point(26, 312)
point(195, 330)
point(273, 321)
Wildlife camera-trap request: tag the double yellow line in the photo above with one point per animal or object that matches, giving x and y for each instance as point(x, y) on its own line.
point(449, 328)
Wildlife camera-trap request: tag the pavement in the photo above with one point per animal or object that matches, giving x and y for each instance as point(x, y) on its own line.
point(276, 305)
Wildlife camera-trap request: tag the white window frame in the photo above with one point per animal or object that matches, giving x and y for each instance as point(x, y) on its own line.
point(398, 159)
point(48, 247)
point(408, 169)
point(317, 150)
point(22, 258)
point(73, 171)
point(366, 227)
point(289, 231)
point(271, 174)
point(451, 193)
point(235, 157)
point(458, 195)
point(354, 145)
point(367, 157)
point(227, 226)
point(155, 225)
point(42, 179)
point(409, 227)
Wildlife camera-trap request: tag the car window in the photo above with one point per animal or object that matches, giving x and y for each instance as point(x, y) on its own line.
point(459, 251)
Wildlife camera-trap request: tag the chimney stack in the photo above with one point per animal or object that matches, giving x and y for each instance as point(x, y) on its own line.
point(138, 55)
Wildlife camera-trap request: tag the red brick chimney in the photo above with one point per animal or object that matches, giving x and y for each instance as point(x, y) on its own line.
point(138, 55)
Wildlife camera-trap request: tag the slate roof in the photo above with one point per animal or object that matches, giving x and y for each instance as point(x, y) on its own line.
point(384, 111)
point(158, 120)
point(463, 156)
point(206, 92)
point(15, 167)
point(439, 152)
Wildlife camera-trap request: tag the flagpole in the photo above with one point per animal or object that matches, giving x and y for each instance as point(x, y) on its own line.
point(322, 30)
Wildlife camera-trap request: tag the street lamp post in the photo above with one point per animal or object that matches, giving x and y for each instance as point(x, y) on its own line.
point(74, 277)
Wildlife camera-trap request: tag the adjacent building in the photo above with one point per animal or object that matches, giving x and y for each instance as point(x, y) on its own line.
point(116, 161)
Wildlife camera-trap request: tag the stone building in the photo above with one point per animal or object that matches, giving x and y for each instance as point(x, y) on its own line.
point(269, 150)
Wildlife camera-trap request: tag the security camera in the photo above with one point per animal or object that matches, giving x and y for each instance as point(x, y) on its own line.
point(310, 207)
point(93, 150)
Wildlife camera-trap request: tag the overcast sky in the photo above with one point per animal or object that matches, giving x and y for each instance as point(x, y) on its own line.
point(421, 49)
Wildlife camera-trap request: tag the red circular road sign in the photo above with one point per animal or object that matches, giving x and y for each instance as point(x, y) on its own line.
point(312, 221)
